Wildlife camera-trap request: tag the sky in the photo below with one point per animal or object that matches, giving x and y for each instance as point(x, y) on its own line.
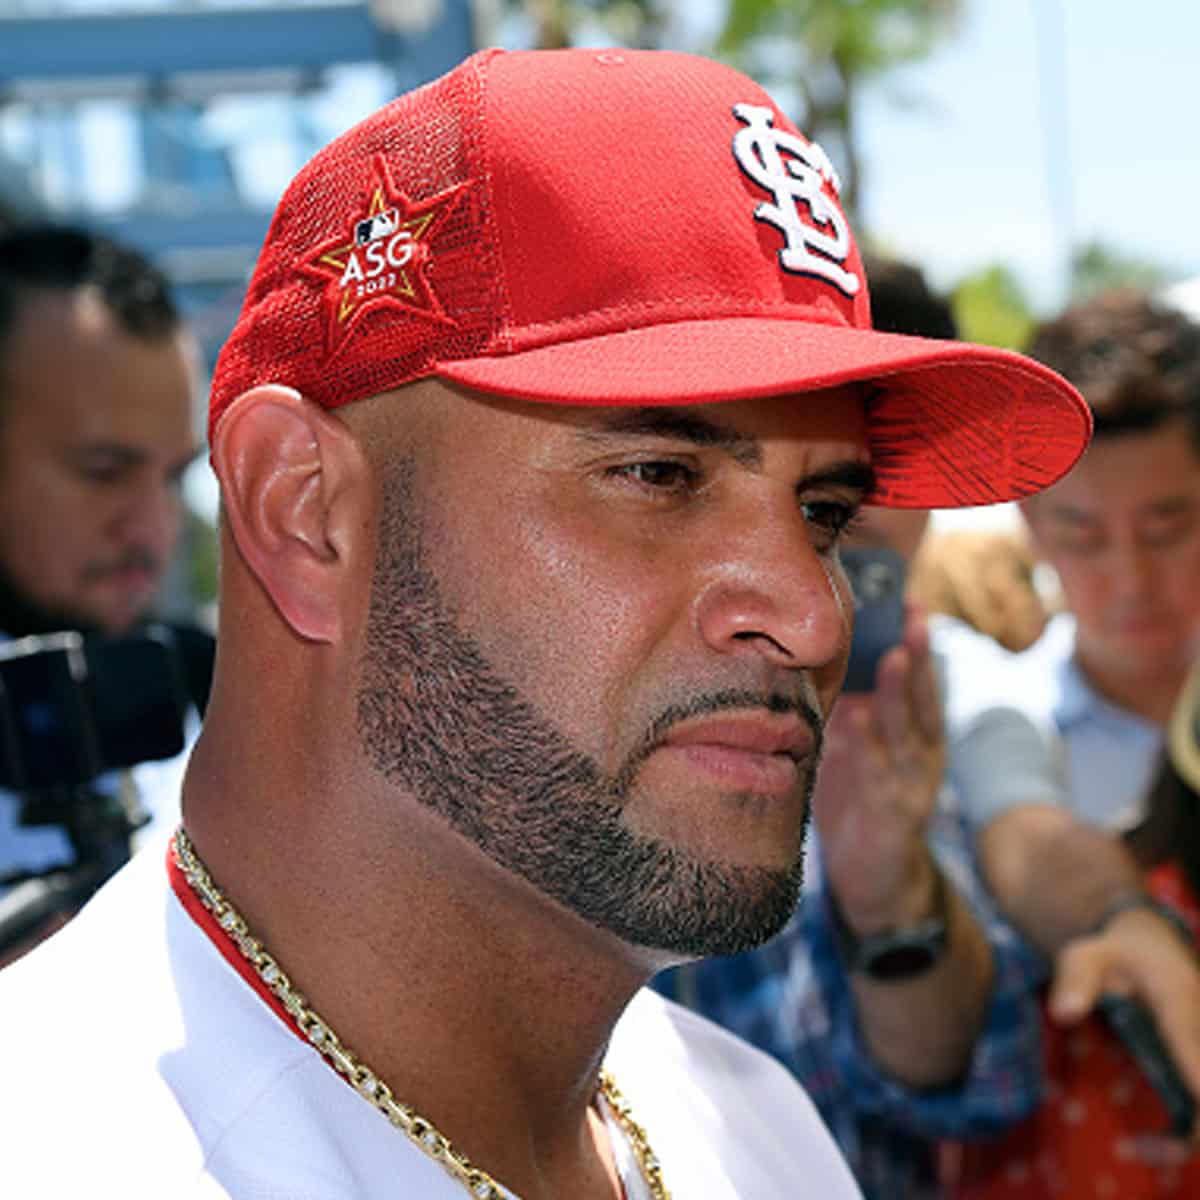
point(1043, 123)
point(1037, 125)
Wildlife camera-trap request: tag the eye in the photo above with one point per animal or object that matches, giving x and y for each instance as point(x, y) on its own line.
point(102, 473)
point(1081, 542)
point(101, 466)
point(1167, 530)
point(173, 479)
point(832, 518)
point(663, 475)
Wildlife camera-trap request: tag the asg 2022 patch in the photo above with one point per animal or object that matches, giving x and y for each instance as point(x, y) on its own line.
point(382, 258)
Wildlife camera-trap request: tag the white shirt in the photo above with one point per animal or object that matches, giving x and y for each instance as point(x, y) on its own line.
point(138, 1064)
point(998, 753)
point(1111, 755)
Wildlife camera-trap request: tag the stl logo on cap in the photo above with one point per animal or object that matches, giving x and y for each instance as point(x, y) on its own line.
point(816, 248)
point(382, 258)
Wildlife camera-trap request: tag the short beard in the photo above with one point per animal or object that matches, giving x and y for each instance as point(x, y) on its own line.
point(436, 719)
point(21, 616)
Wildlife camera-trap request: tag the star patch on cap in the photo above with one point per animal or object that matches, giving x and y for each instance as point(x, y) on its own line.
point(382, 260)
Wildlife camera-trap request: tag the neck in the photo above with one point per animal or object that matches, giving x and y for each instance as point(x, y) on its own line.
point(481, 1005)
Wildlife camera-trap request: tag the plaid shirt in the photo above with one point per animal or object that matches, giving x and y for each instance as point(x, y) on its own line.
point(792, 999)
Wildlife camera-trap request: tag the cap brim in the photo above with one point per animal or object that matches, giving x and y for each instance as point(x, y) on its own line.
point(950, 424)
point(1183, 733)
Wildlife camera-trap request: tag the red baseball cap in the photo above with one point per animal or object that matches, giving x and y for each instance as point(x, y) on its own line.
point(627, 227)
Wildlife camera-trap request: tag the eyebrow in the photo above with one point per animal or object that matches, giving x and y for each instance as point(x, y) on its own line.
point(682, 424)
point(114, 452)
point(859, 476)
point(689, 426)
point(1168, 507)
point(122, 455)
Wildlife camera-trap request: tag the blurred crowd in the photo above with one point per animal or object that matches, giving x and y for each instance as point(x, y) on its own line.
point(1059, 1060)
point(990, 986)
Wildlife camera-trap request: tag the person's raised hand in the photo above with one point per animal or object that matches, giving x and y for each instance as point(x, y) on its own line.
point(877, 787)
point(1139, 953)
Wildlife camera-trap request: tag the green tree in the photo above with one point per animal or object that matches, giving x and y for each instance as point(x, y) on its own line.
point(1096, 267)
point(557, 23)
point(826, 52)
point(990, 307)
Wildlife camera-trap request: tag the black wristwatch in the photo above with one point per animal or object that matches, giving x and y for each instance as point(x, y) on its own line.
point(1133, 898)
point(896, 954)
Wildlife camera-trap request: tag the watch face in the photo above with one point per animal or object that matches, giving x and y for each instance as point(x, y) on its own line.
point(895, 953)
point(903, 960)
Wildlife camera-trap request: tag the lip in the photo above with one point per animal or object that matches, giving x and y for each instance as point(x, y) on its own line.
point(763, 754)
point(132, 579)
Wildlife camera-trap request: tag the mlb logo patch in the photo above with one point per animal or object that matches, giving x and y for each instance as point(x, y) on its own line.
point(383, 258)
point(381, 225)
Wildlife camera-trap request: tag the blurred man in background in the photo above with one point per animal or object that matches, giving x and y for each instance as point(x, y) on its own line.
point(1122, 531)
point(97, 378)
point(97, 383)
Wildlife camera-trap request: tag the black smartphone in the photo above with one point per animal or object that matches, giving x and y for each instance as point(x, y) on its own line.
point(877, 578)
point(1133, 1023)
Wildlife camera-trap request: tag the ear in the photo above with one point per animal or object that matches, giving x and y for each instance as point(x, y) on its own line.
point(292, 482)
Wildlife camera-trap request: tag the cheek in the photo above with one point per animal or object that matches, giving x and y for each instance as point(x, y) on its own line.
point(565, 615)
point(839, 583)
point(1084, 581)
point(1181, 576)
point(1079, 582)
point(831, 678)
point(41, 537)
point(173, 506)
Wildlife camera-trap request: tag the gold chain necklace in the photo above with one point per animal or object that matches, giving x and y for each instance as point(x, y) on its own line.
point(420, 1131)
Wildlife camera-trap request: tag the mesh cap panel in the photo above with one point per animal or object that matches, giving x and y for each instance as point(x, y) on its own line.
point(303, 327)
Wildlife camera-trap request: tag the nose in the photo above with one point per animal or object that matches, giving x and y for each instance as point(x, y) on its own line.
point(771, 594)
point(1133, 569)
point(150, 517)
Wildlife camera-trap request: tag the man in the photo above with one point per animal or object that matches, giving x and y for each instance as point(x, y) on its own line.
point(1122, 532)
point(97, 376)
point(907, 1018)
point(525, 655)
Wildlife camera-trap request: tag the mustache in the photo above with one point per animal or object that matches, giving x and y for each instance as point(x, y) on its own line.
point(725, 700)
point(137, 558)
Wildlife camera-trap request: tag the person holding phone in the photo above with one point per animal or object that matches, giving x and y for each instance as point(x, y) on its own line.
point(1109, 677)
point(933, 780)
